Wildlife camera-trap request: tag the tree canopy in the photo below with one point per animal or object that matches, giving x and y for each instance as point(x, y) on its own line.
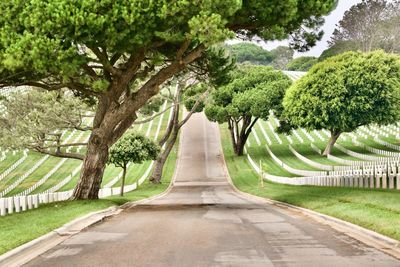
point(369, 25)
point(301, 63)
point(253, 92)
point(132, 148)
point(345, 92)
point(121, 52)
point(37, 119)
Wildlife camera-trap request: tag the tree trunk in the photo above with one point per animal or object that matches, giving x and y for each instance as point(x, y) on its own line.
point(233, 136)
point(169, 137)
point(107, 129)
point(239, 136)
point(123, 180)
point(334, 136)
point(162, 158)
point(92, 170)
point(240, 146)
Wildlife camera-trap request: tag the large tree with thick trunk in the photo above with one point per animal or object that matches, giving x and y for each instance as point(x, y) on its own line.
point(345, 92)
point(120, 52)
point(252, 94)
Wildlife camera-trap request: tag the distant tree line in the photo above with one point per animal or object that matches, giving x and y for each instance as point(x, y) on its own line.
point(254, 54)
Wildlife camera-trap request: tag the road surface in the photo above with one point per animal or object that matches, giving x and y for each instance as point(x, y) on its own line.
point(202, 221)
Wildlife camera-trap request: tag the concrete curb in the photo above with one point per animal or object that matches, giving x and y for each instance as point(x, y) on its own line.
point(381, 242)
point(28, 251)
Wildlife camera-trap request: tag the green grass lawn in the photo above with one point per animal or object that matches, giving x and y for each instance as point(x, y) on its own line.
point(19, 228)
point(377, 210)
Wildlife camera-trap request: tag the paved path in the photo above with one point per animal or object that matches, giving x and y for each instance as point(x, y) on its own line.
point(203, 222)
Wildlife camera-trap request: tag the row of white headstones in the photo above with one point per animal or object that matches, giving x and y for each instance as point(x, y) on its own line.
point(24, 201)
point(372, 165)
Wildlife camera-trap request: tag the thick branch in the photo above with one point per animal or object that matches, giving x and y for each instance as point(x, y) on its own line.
point(251, 126)
point(122, 127)
point(87, 128)
point(151, 87)
point(105, 62)
point(89, 70)
point(65, 145)
point(60, 154)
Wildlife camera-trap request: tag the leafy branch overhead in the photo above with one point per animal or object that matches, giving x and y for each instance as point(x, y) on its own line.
point(37, 119)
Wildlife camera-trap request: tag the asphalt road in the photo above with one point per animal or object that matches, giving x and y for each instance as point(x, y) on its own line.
point(202, 221)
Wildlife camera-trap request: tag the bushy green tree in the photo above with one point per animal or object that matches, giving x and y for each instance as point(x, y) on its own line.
point(132, 148)
point(121, 52)
point(253, 92)
point(301, 63)
point(345, 92)
point(36, 120)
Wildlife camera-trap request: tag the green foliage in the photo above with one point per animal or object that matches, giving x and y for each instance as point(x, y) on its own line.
point(274, 17)
point(337, 48)
point(51, 38)
point(192, 95)
point(253, 92)
point(301, 63)
point(152, 105)
point(249, 52)
point(216, 65)
point(133, 148)
point(33, 118)
point(345, 92)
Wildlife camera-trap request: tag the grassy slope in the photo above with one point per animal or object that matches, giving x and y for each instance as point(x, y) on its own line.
point(377, 210)
point(17, 229)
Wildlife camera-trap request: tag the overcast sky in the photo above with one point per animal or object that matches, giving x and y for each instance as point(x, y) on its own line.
point(330, 23)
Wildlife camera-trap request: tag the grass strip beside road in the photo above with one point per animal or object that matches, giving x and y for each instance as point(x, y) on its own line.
point(19, 228)
point(377, 210)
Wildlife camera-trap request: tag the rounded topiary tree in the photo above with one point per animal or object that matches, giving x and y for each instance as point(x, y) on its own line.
point(251, 94)
point(345, 92)
point(133, 148)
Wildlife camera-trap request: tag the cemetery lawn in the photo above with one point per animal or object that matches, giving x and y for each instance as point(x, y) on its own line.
point(19, 228)
point(377, 210)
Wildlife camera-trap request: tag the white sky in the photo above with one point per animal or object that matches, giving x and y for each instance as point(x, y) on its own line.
point(330, 24)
